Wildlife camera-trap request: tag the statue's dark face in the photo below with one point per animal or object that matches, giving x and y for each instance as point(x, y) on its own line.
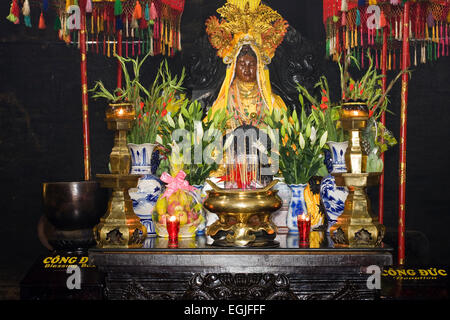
point(246, 68)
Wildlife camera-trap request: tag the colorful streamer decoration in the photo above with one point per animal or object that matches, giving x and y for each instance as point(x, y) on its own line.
point(358, 26)
point(148, 26)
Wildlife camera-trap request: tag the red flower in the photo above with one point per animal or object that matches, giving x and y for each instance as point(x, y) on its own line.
point(351, 87)
point(139, 115)
point(324, 91)
point(361, 92)
point(324, 99)
point(323, 106)
point(146, 114)
point(163, 113)
point(142, 105)
point(370, 113)
point(314, 107)
point(164, 104)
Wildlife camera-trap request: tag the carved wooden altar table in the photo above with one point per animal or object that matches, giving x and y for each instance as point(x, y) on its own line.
point(196, 270)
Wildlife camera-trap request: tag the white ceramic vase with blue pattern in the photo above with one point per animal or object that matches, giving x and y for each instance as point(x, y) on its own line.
point(145, 161)
point(297, 206)
point(201, 196)
point(333, 197)
point(285, 193)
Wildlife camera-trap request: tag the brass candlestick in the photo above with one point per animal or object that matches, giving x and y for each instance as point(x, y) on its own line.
point(120, 227)
point(356, 226)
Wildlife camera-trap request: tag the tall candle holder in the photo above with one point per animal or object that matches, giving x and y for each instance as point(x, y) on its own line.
point(120, 227)
point(356, 226)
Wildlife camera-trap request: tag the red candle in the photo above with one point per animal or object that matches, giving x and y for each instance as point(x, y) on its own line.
point(304, 226)
point(173, 227)
point(173, 242)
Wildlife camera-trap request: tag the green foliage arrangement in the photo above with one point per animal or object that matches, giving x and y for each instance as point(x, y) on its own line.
point(151, 105)
point(325, 113)
point(300, 142)
point(197, 136)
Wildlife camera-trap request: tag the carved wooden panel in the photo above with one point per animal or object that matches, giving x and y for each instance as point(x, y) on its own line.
point(239, 286)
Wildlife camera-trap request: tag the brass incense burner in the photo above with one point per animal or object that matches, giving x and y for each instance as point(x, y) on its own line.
point(120, 227)
point(244, 216)
point(356, 226)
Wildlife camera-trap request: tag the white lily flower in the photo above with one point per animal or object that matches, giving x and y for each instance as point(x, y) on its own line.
point(313, 135)
point(301, 141)
point(198, 130)
point(323, 139)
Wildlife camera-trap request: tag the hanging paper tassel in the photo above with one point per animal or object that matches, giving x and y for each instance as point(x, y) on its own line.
point(362, 58)
point(361, 36)
point(108, 54)
point(396, 29)
point(57, 24)
point(14, 12)
point(137, 13)
point(89, 6)
point(395, 2)
point(42, 21)
point(134, 23)
point(433, 34)
point(26, 13)
point(96, 44)
point(352, 42)
point(394, 62)
point(114, 46)
point(153, 12)
point(430, 20)
point(44, 5)
point(361, 3)
point(344, 6)
point(118, 8)
point(415, 55)
point(376, 59)
point(119, 23)
point(383, 22)
point(358, 18)
point(390, 60)
point(372, 2)
point(27, 21)
point(147, 12)
point(446, 37)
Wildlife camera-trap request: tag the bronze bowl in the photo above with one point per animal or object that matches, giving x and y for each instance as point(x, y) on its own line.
point(73, 209)
point(244, 216)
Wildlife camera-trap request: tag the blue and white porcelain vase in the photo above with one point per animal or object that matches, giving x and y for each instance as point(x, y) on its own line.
point(285, 193)
point(201, 196)
point(145, 161)
point(297, 206)
point(333, 197)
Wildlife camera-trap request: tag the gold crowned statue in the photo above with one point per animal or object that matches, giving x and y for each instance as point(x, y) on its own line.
point(246, 39)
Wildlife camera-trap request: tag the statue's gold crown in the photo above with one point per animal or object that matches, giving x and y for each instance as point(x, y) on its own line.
point(246, 22)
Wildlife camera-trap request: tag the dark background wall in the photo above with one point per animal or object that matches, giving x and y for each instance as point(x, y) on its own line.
point(41, 131)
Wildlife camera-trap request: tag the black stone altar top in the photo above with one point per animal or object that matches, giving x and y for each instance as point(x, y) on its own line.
point(197, 255)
